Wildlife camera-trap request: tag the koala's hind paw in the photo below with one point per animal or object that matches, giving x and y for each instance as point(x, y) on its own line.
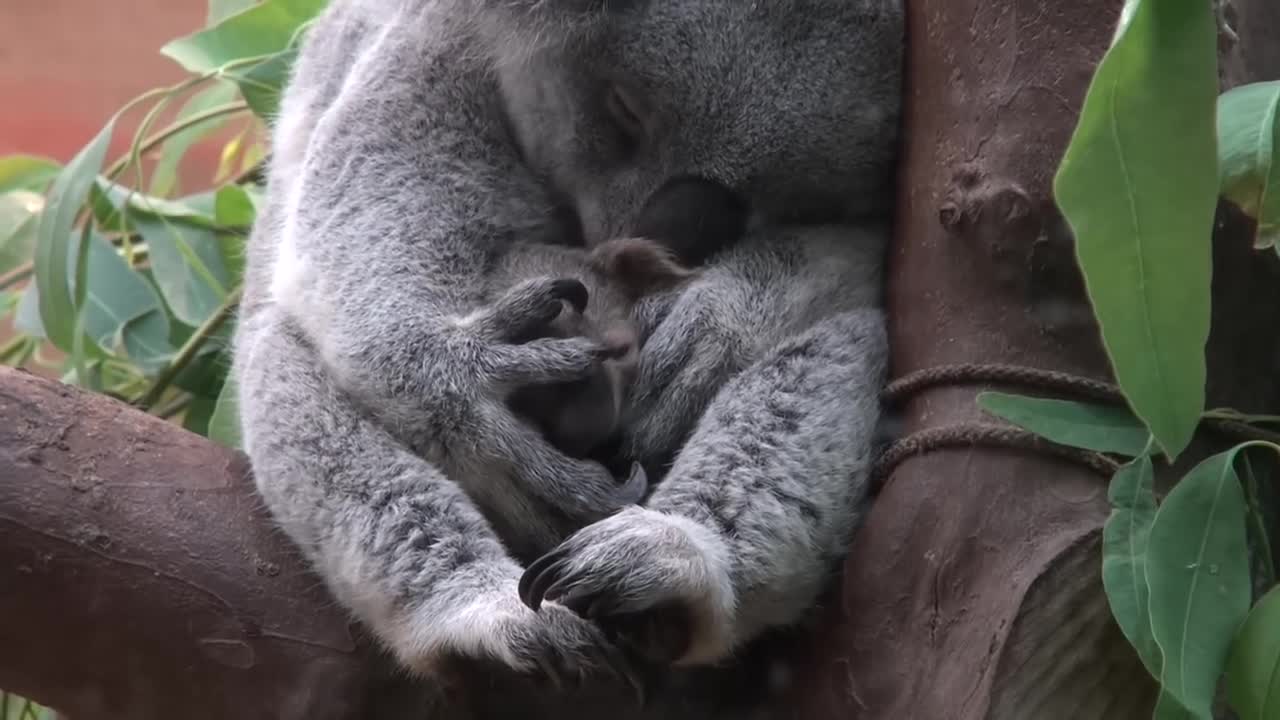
point(656, 583)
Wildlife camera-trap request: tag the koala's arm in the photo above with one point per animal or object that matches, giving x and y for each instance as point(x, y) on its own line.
point(399, 187)
point(743, 532)
point(362, 334)
point(396, 542)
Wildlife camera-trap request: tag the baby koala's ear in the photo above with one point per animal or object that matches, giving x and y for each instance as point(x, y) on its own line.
point(639, 265)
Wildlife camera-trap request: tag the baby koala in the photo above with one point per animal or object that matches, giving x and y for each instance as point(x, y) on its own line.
point(682, 224)
point(579, 417)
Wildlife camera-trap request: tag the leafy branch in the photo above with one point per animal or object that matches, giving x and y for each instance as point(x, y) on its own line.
point(1153, 150)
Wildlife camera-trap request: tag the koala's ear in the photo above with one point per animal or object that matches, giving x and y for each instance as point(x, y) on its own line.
point(639, 265)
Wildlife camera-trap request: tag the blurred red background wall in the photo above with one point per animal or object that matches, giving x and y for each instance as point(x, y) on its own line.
point(67, 65)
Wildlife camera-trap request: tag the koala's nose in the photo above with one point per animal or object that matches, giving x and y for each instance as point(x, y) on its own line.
point(620, 342)
point(694, 217)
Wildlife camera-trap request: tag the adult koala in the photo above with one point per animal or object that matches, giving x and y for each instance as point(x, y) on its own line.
point(418, 141)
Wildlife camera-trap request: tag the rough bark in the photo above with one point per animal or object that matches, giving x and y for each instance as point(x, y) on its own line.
point(974, 590)
point(141, 578)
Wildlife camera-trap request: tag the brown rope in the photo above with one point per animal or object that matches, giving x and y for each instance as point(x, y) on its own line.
point(963, 435)
point(968, 435)
point(971, 373)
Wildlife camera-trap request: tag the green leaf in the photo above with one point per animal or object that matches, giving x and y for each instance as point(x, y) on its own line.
point(1124, 556)
point(165, 176)
point(55, 242)
point(259, 31)
point(1253, 672)
point(1137, 186)
point(220, 10)
point(187, 264)
point(1168, 708)
point(262, 83)
point(1248, 138)
point(1198, 575)
point(1092, 427)
point(194, 209)
point(196, 416)
point(26, 318)
point(146, 341)
point(234, 208)
point(122, 310)
point(27, 172)
point(19, 213)
point(224, 423)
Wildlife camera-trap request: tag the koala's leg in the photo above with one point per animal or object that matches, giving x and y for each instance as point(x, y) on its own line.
point(395, 541)
point(743, 533)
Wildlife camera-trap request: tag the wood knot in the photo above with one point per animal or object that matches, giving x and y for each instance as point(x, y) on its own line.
point(976, 202)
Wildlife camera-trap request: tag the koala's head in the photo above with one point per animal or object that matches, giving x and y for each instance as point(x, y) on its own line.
point(793, 104)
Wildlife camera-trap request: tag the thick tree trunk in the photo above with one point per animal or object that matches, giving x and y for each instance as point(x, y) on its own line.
point(974, 589)
point(141, 578)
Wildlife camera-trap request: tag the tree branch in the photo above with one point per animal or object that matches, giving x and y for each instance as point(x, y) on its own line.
point(141, 577)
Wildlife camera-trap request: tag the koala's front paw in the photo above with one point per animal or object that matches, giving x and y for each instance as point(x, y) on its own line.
point(566, 651)
point(657, 583)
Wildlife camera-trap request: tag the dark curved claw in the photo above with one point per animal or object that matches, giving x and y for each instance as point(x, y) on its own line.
point(539, 576)
point(573, 291)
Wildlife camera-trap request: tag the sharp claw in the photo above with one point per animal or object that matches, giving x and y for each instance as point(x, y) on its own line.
point(637, 484)
point(559, 589)
point(573, 291)
point(548, 577)
point(529, 580)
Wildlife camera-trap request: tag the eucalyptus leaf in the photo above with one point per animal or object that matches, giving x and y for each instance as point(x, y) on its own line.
point(1168, 708)
point(220, 10)
point(262, 83)
point(146, 341)
point(1253, 671)
point(27, 172)
point(224, 423)
point(1248, 141)
point(164, 179)
point(19, 212)
point(194, 209)
point(1138, 187)
point(257, 32)
point(187, 265)
point(55, 242)
point(1198, 575)
point(1124, 556)
point(116, 298)
point(196, 416)
point(234, 207)
point(1092, 427)
point(26, 317)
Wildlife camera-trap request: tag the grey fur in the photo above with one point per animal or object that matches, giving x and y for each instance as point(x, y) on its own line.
point(419, 142)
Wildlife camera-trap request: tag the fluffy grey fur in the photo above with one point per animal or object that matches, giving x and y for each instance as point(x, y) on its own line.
point(419, 142)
